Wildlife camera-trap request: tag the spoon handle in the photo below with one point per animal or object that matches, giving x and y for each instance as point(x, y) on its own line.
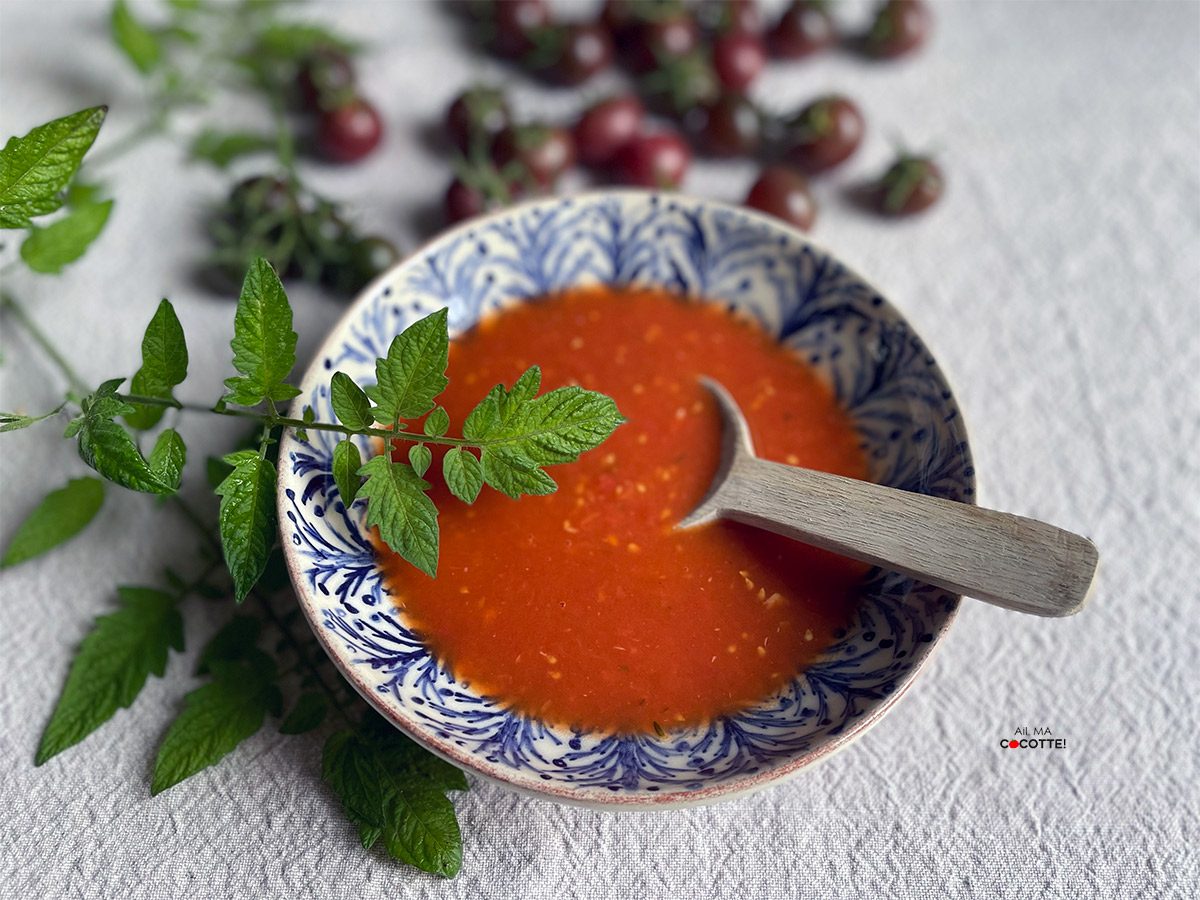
point(1007, 560)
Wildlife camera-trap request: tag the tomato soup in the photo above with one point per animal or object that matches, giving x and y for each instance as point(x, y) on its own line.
point(587, 607)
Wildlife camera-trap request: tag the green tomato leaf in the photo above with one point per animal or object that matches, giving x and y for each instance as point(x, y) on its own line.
point(168, 458)
point(519, 432)
point(35, 168)
point(511, 472)
point(164, 365)
point(236, 640)
point(392, 789)
point(308, 713)
point(463, 474)
point(264, 344)
point(398, 506)
point(247, 518)
point(437, 422)
point(136, 41)
point(17, 421)
point(108, 448)
point(118, 654)
point(419, 457)
point(57, 519)
point(223, 147)
point(346, 463)
point(414, 371)
point(47, 250)
point(215, 719)
point(350, 404)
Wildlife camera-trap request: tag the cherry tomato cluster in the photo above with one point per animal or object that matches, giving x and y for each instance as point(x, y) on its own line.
point(300, 233)
point(693, 64)
point(348, 127)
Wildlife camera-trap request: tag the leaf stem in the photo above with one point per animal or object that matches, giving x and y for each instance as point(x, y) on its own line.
point(273, 420)
point(9, 304)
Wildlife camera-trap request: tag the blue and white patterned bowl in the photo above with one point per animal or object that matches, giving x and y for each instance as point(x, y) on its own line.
point(880, 370)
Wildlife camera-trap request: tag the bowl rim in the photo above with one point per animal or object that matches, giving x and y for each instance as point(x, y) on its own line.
point(563, 794)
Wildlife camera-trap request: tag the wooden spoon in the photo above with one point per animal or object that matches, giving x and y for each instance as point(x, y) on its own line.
point(997, 557)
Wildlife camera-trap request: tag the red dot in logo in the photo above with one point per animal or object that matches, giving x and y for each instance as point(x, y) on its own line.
point(1014, 744)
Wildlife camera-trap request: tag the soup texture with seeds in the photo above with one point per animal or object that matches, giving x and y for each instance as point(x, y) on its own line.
point(587, 608)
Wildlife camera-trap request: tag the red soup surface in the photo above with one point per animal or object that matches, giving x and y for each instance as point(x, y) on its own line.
point(586, 607)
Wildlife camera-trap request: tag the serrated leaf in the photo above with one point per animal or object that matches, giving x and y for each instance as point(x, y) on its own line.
point(223, 147)
point(512, 473)
point(108, 448)
point(419, 457)
point(48, 250)
point(437, 422)
point(414, 371)
point(308, 713)
point(60, 516)
point(463, 474)
point(164, 365)
point(247, 518)
point(168, 458)
point(405, 516)
point(392, 789)
point(235, 640)
point(346, 463)
point(112, 664)
point(136, 41)
point(264, 344)
point(519, 433)
point(350, 403)
point(36, 167)
point(215, 719)
point(17, 421)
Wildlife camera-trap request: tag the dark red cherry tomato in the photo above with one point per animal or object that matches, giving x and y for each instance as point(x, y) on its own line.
point(580, 51)
point(804, 28)
point(825, 133)
point(617, 16)
point(515, 22)
point(606, 127)
point(738, 58)
point(911, 185)
point(658, 160)
point(349, 132)
point(783, 192)
point(543, 151)
point(476, 116)
point(659, 38)
point(325, 80)
point(900, 27)
point(462, 201)
point(730, 126)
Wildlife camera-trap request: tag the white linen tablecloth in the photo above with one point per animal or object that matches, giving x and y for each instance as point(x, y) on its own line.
point(1059, 285)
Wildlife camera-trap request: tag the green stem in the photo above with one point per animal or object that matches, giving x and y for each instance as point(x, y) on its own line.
point(9, 304)
point(272, 421)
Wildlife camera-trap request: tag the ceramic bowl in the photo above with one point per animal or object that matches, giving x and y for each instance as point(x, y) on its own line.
point(879, 368)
